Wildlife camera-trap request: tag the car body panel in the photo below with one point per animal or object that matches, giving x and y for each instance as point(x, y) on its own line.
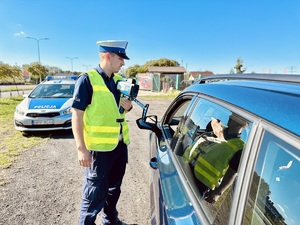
point(173, 206)
point(50, 103)
point(47, 107)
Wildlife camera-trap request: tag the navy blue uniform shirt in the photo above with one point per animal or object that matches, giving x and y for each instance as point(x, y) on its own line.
point(83, 89)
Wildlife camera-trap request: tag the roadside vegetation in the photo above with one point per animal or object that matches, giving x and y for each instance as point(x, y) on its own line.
point(168, 95)
point(13, 74)
point(3, 89)
point(12, 142)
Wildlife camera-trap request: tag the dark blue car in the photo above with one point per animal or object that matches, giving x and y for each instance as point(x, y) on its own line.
point(227, 151)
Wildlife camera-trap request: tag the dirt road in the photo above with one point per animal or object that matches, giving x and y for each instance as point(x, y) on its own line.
point(44, 185)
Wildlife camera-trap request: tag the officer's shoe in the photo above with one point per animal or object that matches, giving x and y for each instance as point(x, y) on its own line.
point(119, 222)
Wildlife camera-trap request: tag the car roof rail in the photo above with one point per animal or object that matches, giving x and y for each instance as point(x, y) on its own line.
point(288, 78)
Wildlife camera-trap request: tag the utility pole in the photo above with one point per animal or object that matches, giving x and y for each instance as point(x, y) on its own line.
point(72, 58)
point(87, 66)
point(38, 45)
point(38, 48)
point(292, 69)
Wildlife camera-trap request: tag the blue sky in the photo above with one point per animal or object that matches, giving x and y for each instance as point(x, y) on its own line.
point(200, 35)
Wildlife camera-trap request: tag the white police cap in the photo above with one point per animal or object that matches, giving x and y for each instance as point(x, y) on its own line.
point(117, 47)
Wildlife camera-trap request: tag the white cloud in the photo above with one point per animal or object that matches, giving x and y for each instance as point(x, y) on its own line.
point(287, 166)
point(20, 34)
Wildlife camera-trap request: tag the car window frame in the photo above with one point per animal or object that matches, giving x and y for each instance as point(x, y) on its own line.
point(164, 124)
point(234, 109)
point(163, 150)
point(249, 160)
point(166, 137)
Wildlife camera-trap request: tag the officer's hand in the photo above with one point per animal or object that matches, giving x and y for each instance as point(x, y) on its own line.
point(126, 104)
point(217, 128)
point(84, 158)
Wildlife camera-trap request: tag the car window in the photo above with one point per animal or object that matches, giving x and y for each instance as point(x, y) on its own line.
point(53, 91)
point(274, 195)
point(210, 141)
point(176, 116)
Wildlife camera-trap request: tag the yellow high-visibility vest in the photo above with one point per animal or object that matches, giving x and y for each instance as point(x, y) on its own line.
point(212, 165)
point(101, 118)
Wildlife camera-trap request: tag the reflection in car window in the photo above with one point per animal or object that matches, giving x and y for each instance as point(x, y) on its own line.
point(274, 195)
point(53, 91)
point(209, 147)
point(175, 120)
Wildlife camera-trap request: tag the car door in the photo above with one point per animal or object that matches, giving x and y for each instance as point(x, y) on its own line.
point(170, 203)
point(180, 183)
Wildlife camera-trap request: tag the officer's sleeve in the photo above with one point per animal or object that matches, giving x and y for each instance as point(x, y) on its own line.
point(82, 93)
point(235, 160)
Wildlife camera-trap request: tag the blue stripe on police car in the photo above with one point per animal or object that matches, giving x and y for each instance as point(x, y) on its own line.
point(56, 103)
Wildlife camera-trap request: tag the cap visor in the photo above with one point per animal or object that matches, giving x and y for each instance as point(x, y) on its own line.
point(122, 55)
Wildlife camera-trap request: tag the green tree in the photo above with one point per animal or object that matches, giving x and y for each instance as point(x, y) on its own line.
point(11, 72)
point(239, 65)
point(132, 71)
point(53, 70)
point(38, 71)
point(7, 71)
point(76, 73)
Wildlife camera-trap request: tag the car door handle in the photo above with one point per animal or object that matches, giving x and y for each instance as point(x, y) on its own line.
point(153, 163)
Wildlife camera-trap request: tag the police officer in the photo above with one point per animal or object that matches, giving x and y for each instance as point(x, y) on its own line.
point(101, 134)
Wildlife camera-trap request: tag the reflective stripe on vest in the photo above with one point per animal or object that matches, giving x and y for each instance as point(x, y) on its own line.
point(212, 166)
point(101, 129)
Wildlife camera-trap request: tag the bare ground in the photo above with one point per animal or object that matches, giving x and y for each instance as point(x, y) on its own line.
point(44, 185)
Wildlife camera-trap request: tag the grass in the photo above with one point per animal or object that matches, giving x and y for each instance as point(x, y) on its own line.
point(160, 95)
point(12, 142)
point(16, 89)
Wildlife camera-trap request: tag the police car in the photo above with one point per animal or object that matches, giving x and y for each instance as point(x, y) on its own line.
point(48, 106)
point(227, 151)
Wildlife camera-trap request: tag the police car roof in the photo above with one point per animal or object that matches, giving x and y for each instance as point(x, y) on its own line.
point(274, 98)
point(60, 79)
point(67, 77)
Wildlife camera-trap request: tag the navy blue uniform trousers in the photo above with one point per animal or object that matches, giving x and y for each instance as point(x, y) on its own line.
point(102, 185)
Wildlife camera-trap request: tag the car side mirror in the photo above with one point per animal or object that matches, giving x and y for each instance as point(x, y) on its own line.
point(149, 123)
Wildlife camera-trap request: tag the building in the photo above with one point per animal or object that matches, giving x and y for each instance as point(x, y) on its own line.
point(192, 76)
point(200, 74)
point(161, 78)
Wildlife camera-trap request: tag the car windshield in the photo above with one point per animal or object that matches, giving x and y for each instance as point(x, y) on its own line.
point(53, 91)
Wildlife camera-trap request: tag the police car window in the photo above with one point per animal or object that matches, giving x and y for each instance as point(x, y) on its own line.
point(37, 92)
point(53, 91)
point(274, 196)
point(209, 147)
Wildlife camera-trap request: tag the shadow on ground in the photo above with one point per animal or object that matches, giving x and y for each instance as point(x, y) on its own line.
point(59, 134)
